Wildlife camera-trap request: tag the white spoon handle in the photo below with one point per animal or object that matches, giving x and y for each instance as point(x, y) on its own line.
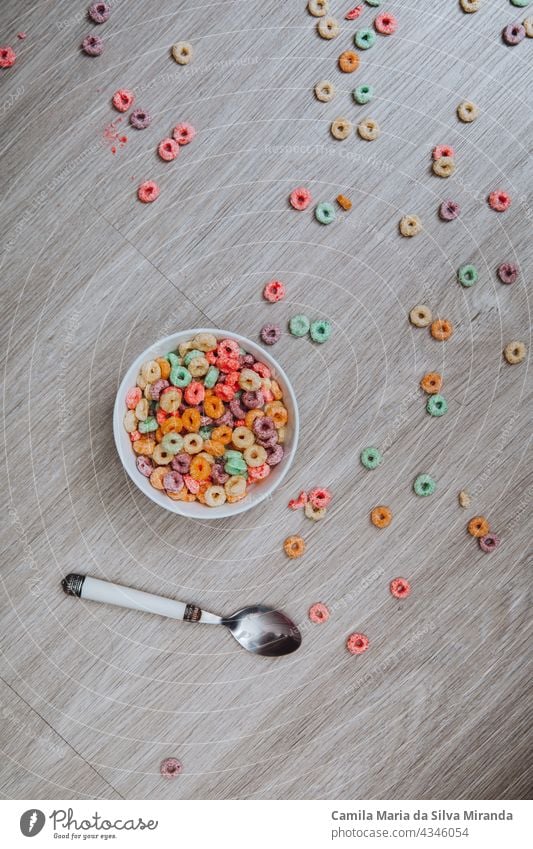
point(93, 589)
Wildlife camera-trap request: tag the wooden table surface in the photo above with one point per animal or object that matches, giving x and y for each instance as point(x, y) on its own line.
point(94, 697)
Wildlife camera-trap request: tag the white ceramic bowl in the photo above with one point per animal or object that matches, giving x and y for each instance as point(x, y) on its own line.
point(258, 491)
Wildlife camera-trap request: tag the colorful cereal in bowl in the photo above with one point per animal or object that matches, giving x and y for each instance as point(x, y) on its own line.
point(206, 423)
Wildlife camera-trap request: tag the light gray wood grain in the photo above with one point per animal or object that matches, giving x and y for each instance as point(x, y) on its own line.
point(93, 698)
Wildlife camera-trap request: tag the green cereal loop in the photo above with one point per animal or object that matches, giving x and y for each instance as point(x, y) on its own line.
point(364, 38)
point(325, 212)
point(467, 275)
point(211, 377)
point(436, 405)
point(180, 376)
point(229, 454)
point(370, 458)
point(191, 355)
point(148, 425)
point(424, 485)
point(299, 325)
point(205, 432)
point(236, 467)
point(173, 359)
point(320, 331)
point(363, 94)
point(520, 3)
point(374, 2)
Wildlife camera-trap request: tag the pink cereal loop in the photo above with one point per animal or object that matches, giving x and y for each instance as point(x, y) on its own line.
point(357, 643)
point(123, 99)
point(148, 191)
point(318, 613)
point(443, 150)
point(168, 149)
point(133, 396)
point(499, 200)
point(261, 369)
point(274, 291)
point(184, 133)
point(400, 588)
point(385, 23)
point(228, 348)
point(353, 14)
point(191, 484)
point(170, 767)
point(320, 497)
point(300, 198)
point(301, 501)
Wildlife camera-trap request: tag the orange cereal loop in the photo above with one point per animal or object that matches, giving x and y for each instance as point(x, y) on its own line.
point(159, 435)
point(477, 527)
point(251, 416)
point(222, 434)
point(441, 329)
point(231, 499)
point(144, 446)
point(344, 202)
point(164, 365)
point(213, 407)
point(191, 420)
point(348, 61)
point(172, 424)
point(381, 516)
point(275, 388)
point(277, 413)
point(214, 447)
point(156, 478)
point(431, 382)
point(294, 547)
point(182, 495)
point(200, 468)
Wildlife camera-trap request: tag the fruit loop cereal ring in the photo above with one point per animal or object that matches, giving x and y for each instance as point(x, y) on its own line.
point(431, 383)
point(344, 202)
point(467, 111)
point(319, 497)
point(464, 498)
point(170, 400)
point(443, 150)
point(205, 342)
point(140, 119)
point(368, 129)
point(478, 526)
point(467, 275)
point(157, 476)
point(328, 28)
point(370, 458)
point(314, 513)
point(296, 503)
point(420, 316)
point(499, 201)
point(249, 380)
point(353, 14)
point(294, 547)
point(364, 38)
point(357, 643)
point(123, 99)
point(172, 443)
point(515, 352)
point(348, 61)
point(520, 3)
point(242, 438)
point(183, 133)
point(170, 768)
point(410, 225)
point(318, 613)
point(441, 329)
point(235, 486)
point(275, 455)
point(198, 367)
point(513, 34)
point(340, 128)
point(277, 413)
point(469, 6)
point(424, 485)
point(299, 199)
point(320, 330)
point(255, 455)
point(381, 516)
point(444, 166)
point(194, 393)
point(263, 427)
point(324, 91)
point(374, 2)
point(325, 214)
point(200, 468)
point(436, 405)
point(193, 443)
point(148, 425)
point(449, 210)
point(148, 191)
point(227, 348)
point(489, 543)
point(151, 371)
point(133, 396)
point(182, 52)
point(363, 94)
point(181, 463)
point(145, 446)
point(8, 57)
point(173, 482)
point(270, 334)
point(145, 466)
point(507, 272)
point(215, 496)
point(92, 45)
point(141, 410)
point(99, 12)
point(385, 23)
point(399, 587)
point(168, 149)
point(190, 419)
point(528, 26)
point(317, 8)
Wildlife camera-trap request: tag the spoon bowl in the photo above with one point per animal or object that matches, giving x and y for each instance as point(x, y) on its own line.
point(265, 631)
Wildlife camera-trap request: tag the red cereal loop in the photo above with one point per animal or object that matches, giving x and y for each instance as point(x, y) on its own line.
point(168, 149)
point(385, 23)
point(161, 416)
point(232, 379)
point(133, 396)
point(194, 394)
point(191, 484)
point(227, 364)
point(300, 198)
point(148, 191)
point(357, 643)
point(499, 201)
point(399, 587)
point(261, 369)
point(135, 435)
point(318, 613)
point(123, 99)
point(443, 150)
point(274, 291)
point(301, 501)
point(228, 348)
point(211, 357)
point(170, 767)
point(222, 390)
point(8, 57)
point(320, 497)
point(353, 14)
point(183, 133)
point(257, 473)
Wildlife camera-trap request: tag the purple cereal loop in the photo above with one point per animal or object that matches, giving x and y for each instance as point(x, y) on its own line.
point(205, 421)
point(236, 409)
point(92, 45)
point(275, 455)
point(140, 119)
point(181, 463)
point(514, 34)
point(144, 465)
point(489, 542)
point(218, 474)
point(449, 210)
point(158, 387)
point(246, 360)
point(173, 481)
point(226, 419)
point(270, 334)
point(268, 442)
point(508, 272)
point(263, 426)
point(99, 12)
point(253, 400)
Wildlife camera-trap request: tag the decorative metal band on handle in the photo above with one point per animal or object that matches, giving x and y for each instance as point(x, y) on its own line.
point(73, 584)
point(192, 613)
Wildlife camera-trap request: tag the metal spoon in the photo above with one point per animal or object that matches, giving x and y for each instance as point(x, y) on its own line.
point(258, 629)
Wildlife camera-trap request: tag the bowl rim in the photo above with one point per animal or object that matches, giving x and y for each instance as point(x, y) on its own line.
point(180, 508)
